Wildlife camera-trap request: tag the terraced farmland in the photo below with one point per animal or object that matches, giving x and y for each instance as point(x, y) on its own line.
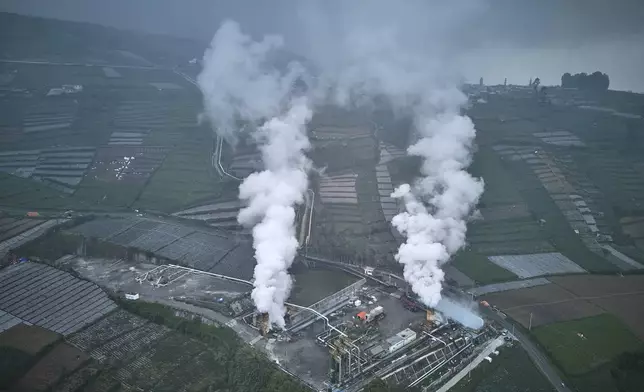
point(203, 249)
point(16, 232)
point(246, 160)
point(50, 298)
point(50, 116)
point(342, 140)
point(61, 168)
point(221, 215)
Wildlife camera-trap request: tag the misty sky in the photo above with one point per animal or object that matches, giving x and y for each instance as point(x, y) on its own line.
point(517, 39)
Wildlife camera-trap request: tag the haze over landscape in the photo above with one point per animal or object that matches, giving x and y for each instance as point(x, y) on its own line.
point(375, 196)
point(501, 39)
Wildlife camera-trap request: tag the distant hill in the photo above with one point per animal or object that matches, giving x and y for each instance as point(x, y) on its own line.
point(33, 38)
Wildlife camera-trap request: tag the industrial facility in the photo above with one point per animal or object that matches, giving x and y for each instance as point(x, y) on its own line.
point(370, 333)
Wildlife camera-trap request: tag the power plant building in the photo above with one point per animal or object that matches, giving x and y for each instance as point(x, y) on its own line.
point(400, 340)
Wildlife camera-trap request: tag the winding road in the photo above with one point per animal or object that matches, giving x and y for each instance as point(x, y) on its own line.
point(540, 360)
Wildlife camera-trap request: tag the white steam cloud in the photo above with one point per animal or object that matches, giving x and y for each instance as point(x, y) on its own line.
point(462, 313)
point(439, 203)
point(400, 50)
point(399, 57)
point(239, 85)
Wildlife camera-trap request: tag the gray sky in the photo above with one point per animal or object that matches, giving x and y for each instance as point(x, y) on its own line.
point(517, 39)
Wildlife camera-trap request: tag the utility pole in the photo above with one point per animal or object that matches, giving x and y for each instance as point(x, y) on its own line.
point(530, 327)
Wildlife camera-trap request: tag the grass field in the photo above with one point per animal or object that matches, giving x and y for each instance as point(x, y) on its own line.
point(480, 269)
point(579, 346)
point(510, 371)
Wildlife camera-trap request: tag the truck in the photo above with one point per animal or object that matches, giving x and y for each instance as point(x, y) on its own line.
point(377, 313)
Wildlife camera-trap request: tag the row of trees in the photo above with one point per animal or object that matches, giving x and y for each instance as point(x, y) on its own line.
point(595, 81)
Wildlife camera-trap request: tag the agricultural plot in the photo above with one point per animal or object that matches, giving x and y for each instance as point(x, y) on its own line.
point(560, 138)
point(28, 234)
point(221, 215)
point(454, 275)
point(51, 298)
point(507, 286)
point(10, 227)
point(634, 228)
point(54, 366)
point(390, 208)
point(507, 225)
point(617, 295)
point(186, 178)
point(339, 199)
point(8, 321)
point(127, 164)
point(581, 247)
point(164, 357)
point(542, 305)
point(580, 346)
point(53, 116)
point(79, 379)
point(110, 327)
point(479, 269)
point(246, 160)
point(510, 236)
point(129, 345)
point(119, 174)
point(573, 297)
point(60, 168)
point(141, 114)
point(342, 140)
point(199, 248)
point(127, 137)
point(621, 260)
point(532, 265)
point(30, 339)
point(565, 184)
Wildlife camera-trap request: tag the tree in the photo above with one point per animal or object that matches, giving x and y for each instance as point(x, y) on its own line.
point(566, 80)
point(596, 81)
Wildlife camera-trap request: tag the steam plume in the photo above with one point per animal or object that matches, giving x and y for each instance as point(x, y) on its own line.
point(462, 313)
point(387, 58)
point(238, 84)
point(437, 206)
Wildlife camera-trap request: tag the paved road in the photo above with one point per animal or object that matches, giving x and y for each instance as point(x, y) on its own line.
point(540, 360)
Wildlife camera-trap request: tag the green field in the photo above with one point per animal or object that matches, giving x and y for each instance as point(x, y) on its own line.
point(185, 177)
point(559, 233)
point(510, 371)
point(499, 186)
point(480, 269)
point(13, 363)
point(580, 346)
